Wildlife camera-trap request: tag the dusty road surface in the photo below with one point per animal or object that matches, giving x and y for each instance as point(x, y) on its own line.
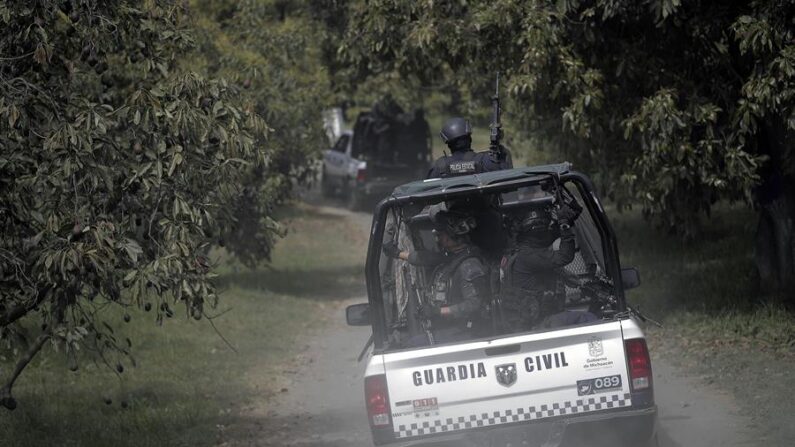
point(692, 415)
point(324, 406)
point(322, 402)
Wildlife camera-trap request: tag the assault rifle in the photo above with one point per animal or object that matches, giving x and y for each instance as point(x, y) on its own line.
point(414, 293)
point(496, 126)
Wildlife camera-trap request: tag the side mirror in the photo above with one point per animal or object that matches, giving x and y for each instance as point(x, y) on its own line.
point(358, 315)
point(630, 278)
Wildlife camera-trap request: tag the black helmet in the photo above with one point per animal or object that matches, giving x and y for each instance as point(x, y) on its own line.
point(455, 128)
point(538, 227)
point(534, 220)
point(455, 223)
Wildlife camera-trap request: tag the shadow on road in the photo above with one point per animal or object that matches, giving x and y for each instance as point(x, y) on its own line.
point(328, 427)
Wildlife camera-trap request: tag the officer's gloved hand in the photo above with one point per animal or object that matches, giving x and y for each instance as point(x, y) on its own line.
point(430, 311)
point(567, 214)
point(390, 249)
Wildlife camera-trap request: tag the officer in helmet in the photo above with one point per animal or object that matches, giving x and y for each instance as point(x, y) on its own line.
point(457, 134)
point(459, 287)
point(532, 273)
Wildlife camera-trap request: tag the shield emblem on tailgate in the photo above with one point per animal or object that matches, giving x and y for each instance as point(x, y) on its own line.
point(506, 374)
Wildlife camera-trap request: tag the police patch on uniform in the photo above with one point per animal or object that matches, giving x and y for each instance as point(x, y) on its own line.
point(464, 167)
point(506, 374)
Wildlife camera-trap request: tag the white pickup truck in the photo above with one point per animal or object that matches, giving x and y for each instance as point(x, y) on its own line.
point(586, 383)
point(377, 155)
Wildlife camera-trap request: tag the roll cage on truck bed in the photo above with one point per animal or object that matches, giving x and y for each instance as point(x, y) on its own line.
point(554, 386)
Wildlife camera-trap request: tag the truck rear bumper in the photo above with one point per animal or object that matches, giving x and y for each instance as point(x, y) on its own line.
point(379, 188)
point(621, 428)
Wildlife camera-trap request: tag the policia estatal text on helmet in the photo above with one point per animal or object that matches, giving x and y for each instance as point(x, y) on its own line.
point(457, 134)
point(459, 288)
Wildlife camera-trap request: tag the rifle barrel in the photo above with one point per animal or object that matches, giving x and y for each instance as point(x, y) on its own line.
point(495, 116)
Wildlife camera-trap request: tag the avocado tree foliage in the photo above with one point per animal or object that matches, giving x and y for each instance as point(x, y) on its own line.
point(271, 50)
point(119, 169)
point(674, 105)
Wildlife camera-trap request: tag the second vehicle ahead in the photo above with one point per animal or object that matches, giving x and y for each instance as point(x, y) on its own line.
point(385, 148)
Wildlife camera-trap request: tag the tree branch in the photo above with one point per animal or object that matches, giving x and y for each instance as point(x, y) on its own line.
point(15, 313)
point(210, 320)
point(13, 58)
point(6, 399)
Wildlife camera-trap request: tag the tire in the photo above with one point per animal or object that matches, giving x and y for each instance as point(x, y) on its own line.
point(326, 188)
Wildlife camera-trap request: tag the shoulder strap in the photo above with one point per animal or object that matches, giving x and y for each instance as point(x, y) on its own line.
point(506, 269)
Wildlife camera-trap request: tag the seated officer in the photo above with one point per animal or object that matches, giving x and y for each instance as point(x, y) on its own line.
point(457, 134)
point(459, 287)
point(533, 289)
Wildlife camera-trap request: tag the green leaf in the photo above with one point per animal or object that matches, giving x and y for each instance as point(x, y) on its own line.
point(133, 250)
point(130, 276)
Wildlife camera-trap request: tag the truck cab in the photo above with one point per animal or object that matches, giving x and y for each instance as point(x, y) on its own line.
point(580, 375)
point(381, 152)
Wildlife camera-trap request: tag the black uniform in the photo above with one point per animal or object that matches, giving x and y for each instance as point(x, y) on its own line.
point(534, 289)
point(468, 162)
point(459, 282)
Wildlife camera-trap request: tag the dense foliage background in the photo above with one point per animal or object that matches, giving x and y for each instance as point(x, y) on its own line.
point(137, 135)
point(674, 106)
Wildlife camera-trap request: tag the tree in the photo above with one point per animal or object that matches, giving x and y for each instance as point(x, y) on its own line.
point(117, 167)
point(271, 50)
point(675, 106)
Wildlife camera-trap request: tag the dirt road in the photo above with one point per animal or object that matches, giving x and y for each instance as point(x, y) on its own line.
point(322, 404)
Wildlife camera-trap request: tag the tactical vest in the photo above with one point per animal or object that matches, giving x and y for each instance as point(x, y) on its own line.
point(534, 303)
point(442, 284)
point(506, 277)
point(443, 279)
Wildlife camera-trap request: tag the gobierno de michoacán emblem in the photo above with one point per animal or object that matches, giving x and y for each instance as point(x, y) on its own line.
point(595, 348)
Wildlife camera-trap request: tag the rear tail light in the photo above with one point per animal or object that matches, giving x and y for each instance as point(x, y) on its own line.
point(639, 364)
point(361, 175)
point(376, 396)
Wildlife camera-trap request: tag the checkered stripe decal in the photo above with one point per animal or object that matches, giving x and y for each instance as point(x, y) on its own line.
point(517, 415)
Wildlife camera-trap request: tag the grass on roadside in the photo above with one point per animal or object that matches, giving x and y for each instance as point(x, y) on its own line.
point(706, 286)
point(708, 274)
point(715, 325)
point(188, 385)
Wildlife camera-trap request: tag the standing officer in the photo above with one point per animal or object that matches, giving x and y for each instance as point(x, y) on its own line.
point(457, 134)
point(459, 288)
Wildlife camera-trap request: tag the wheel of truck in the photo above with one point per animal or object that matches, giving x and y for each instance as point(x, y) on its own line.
point(326, 188)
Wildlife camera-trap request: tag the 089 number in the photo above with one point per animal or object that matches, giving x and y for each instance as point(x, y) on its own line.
point(607, 382)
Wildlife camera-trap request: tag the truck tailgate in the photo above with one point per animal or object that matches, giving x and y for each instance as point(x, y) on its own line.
point(513, 379)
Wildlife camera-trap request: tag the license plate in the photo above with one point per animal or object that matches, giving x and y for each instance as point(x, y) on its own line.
point(598, 385)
